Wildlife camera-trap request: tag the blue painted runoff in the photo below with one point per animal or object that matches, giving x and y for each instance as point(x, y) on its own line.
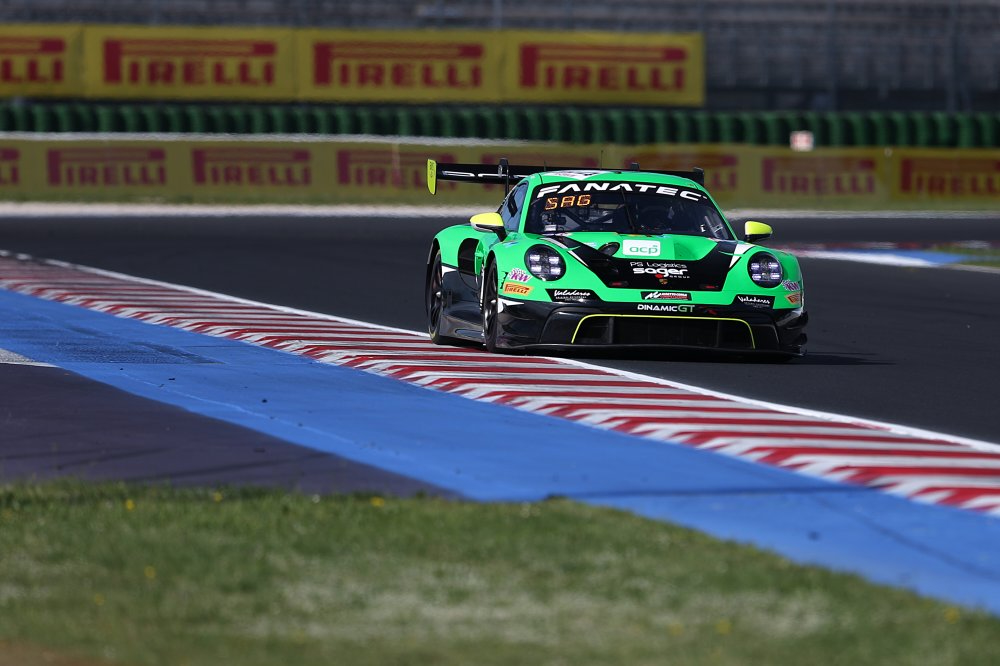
point(493, 453)
point(926, 255)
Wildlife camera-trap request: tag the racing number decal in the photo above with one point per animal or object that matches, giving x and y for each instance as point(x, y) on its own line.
point(551, 203)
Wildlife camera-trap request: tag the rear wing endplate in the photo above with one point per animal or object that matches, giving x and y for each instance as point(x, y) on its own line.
point(505, 173)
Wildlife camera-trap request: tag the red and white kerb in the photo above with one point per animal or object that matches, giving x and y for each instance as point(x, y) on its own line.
point(918, 465)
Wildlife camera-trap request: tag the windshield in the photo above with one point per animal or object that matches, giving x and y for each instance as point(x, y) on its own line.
point(623, 207)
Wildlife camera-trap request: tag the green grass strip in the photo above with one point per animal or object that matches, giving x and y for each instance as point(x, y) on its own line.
point(153, 575)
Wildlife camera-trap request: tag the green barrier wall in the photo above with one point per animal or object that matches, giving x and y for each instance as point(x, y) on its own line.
point(565, 124)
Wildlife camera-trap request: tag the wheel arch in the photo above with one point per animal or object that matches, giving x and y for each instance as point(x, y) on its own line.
point(489, 260)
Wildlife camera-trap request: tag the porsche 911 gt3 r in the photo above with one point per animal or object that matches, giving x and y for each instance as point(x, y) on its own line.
point(594, 258)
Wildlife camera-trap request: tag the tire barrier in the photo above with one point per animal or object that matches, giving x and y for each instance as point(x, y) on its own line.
point(565, 124)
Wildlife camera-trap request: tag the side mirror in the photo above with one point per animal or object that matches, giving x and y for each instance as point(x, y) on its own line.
point(491, 222)
point(756, 231)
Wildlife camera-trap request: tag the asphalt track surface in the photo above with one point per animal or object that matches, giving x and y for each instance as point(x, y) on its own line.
point(914, 346)
point(58, 424)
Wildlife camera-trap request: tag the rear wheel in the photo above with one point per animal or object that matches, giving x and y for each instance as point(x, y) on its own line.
point(490, 309)
point(434, 300)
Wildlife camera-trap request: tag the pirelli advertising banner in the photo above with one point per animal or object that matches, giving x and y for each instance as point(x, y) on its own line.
point(369, 66)
point(328, 171)
point(306, 172)
point(399, 66)
point(188, 63)
point(172, 171)
point(739, 175)
point(602, 68)
point(41, 60)
point(958, 177)
point(835, 178)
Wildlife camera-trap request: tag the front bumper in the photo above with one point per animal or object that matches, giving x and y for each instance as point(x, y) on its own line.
point(534, 324)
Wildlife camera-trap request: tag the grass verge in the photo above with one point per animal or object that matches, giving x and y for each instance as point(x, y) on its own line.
point(977, 253)
point(152, 575)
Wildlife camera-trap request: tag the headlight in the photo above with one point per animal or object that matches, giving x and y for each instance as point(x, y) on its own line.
point(544, 263)
point(764, 270)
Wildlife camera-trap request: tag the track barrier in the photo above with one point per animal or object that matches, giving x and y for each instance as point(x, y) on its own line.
point(635, 126)
point(352, 169)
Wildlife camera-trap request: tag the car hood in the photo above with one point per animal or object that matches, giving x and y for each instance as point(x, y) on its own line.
point(638, 246)
point(690, 263)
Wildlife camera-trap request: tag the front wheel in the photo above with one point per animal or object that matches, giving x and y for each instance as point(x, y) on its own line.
point(491, 325)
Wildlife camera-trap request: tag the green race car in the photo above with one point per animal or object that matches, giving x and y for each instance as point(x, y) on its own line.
point(591, 258)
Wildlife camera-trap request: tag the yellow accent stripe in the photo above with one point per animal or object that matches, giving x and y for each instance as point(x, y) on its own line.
point(753, 342)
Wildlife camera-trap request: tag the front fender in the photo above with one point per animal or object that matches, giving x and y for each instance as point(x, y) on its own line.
point(464, 248)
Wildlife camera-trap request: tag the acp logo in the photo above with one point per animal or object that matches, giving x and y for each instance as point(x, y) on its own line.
point(641, 248)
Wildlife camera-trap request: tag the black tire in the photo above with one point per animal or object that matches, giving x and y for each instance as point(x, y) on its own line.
point(434, 302)
point(491, 326)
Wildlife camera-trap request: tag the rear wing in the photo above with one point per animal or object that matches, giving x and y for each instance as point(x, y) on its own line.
point(505, 173)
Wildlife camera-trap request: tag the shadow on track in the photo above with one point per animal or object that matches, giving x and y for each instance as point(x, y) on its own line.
point(723, 358)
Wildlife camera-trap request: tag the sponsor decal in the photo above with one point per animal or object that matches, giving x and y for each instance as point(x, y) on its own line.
point(10, 170)
point(660, 268)
point(820, 176)
point(791, 285)
point(518, 275)
point(32, 59)
point(950, 176)
point(640, 248)
point(794, 299)
point(570, 295)
point(666, 296)
point(265, 167)
point(604, 69)
point(382, 64)
point(106, 167)
point(611, 186)
point(187, 62)
point(759, 302)
point(662, 307)
point(386, 167)
point(516, 288)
